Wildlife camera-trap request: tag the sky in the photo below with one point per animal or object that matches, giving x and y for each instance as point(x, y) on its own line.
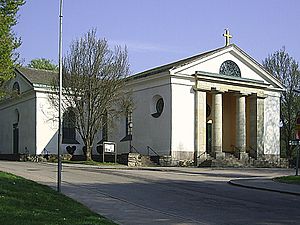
point(157, 32)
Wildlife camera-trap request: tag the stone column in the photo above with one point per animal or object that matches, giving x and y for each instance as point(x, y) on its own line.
point(200, 127)
point(217, 128)
point(260, 126)
point(241, 126)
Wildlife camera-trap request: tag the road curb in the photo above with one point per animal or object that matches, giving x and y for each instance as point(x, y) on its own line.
point(160, 169)
point(237, 183)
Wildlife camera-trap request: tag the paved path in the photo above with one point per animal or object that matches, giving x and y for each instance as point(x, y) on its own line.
point(172, 196)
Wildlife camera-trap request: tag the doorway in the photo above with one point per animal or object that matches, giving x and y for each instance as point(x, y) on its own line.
point(15, 139)
point(208, 137)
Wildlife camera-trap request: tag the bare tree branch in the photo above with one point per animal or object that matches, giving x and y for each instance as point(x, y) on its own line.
point(286, 69)
point(93, 84)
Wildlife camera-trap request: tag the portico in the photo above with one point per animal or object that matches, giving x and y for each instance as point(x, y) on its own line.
point(234, 108)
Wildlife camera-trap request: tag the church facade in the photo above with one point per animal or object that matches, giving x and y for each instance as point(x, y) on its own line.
point(211, 105)
point(214, 104)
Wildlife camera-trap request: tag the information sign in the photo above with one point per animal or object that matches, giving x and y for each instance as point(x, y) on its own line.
point(109, 147)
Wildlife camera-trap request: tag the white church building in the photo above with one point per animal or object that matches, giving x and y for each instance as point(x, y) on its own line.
point(213, 105)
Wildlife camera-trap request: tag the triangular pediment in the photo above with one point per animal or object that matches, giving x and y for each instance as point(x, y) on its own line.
point(22, 81)
point(211, 63)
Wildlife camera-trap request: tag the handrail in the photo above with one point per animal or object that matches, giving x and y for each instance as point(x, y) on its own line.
point(196, 163)
point(201, 155)
point(237, 151)
point(252, 150)
point(149, 148)
point(132, 147)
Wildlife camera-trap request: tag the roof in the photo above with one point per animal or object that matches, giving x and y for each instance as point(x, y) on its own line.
point(181, 62)
point(37, 76)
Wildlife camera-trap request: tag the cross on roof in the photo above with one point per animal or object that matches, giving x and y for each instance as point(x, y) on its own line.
point(227, 37)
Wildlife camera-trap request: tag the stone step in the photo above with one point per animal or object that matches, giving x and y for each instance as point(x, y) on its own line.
point(147, 161)
point(136, 159)
point(229, 161)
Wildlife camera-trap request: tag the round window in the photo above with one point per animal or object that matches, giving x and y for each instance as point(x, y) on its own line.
point(159, 107)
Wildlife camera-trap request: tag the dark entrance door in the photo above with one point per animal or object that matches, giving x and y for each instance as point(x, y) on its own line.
point(208, 137)
point(15, 139)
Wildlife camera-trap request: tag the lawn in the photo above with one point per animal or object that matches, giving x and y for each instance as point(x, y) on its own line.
point(24, 202)
point(289, 179)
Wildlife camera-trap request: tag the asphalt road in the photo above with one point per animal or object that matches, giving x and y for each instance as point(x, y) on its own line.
point(180, 196)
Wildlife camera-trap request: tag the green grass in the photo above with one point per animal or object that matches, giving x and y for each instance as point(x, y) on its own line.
point(24, 202)
point(289, 179)
point(93, 163)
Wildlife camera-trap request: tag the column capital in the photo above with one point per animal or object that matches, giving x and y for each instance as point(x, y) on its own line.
point(257, 96)
point(217, 90)
point(242, 94)
point(261, 94)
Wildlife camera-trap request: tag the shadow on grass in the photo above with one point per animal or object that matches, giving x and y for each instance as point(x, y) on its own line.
point(24, 202)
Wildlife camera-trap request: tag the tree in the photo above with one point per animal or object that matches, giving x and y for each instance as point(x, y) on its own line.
point(8, 40)
point(286, 69)
point(93, 85)
point(42, 63)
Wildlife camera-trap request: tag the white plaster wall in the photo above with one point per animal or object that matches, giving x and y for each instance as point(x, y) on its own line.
point(46, 125)
point(147, 130)
point(272, 118)
point(26, 108)
point(212, 65)
point(183, 103)
point(47, 128)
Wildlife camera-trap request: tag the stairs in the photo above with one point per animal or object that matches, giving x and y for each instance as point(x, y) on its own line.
point(148, 161)
point(229, 161)
point(138, 160)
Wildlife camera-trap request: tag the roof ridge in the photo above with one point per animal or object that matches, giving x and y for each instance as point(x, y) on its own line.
point(176, 63)
point(31, 68)
point(37, 76)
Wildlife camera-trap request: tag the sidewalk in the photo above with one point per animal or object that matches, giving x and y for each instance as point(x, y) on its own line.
point(267, 185)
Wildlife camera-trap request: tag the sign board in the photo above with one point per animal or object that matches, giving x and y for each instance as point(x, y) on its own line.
point(294, 142)
point(109, 147)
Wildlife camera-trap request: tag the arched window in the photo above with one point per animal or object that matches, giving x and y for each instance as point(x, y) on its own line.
point(230, 68)
point(68, 127)
point(128, 126)
point(16, 88)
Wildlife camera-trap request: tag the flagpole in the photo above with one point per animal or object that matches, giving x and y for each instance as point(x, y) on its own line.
point(59, 165)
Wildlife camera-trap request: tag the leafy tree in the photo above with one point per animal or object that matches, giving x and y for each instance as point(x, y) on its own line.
point(286, 69)
point(42, 63)
point(8, 40)
point(93, 86)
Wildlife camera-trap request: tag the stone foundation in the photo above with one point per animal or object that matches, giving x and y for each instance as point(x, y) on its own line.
point(271, 161)
point(181, 158)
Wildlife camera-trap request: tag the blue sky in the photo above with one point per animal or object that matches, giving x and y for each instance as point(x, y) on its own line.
point(161, 31)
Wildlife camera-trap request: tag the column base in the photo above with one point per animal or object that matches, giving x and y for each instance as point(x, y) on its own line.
point(219, 155)
point(244, 156)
